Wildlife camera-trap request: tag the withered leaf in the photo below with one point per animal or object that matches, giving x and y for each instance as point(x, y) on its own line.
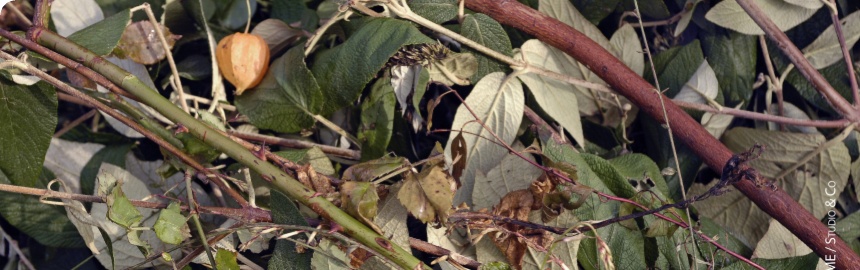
point(359, 199)
point(428, 195)
point(458, 155)
point(140, 42)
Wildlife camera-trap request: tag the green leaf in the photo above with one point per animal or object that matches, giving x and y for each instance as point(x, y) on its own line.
point(675, 67)
point(729, 14)
point(651, 8)
point(226, 260)
point(825, 50)
point(28, 116)
point(835, 74)
point(235, 14)
point(121, 211)
point(287, 98)
point(736, 56)
point(344, 72)
point(369, 170)
point(112, 153)
point(498, 102)
point(734, 212)
point(511, 173)
point(284, 211)
point(288, 11)
point(171, 226)
point(48, 224)
point(437, 11)
point(377, 120)
point(488, 32)
point(103, 37)
point(595, 10)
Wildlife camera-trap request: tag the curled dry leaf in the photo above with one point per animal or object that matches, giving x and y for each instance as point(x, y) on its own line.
point(243, 60)
point(314, 180)
point(140, 42)
point(428, 195)
point(458, 155)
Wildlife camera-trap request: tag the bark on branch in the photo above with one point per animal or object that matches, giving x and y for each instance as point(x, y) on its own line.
point(777, 204)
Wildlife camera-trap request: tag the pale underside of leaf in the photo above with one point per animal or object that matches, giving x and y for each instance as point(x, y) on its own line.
point(498, 102)
point(716, 124)
point(791, 111)
point(125, 254)
point(512, 173)
point(702, 87)
point(66, 159)
point(71, 16)
point(807, 184)
point(730, 15)
point(825, 50)
point(779, 243)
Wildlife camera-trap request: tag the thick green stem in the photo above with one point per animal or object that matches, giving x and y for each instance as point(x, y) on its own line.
point(279, 179)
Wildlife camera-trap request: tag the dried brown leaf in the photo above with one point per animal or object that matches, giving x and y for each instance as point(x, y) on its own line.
point(141, 43)
point(428, 195)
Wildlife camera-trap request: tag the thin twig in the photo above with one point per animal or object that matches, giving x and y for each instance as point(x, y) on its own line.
point(75, 123)
point(20, 15)
point(298, 144)
point(671, 133)
point(13, 245)
point(774, 82)
point(840, 35)
point(764, 117)
point(796, 56)
point(177, 83)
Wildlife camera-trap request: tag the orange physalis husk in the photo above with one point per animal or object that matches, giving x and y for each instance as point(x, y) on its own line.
point(243, 60)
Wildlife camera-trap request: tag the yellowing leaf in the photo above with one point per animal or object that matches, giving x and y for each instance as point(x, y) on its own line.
point(730, 15)
point(459, 65)
point(392, 218)
point(498, 101)
point(627, 44)
point(359, 199)
point(429, 194)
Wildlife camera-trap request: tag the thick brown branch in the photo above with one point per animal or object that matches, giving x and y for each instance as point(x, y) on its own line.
point(777, 203)
point(796, 56)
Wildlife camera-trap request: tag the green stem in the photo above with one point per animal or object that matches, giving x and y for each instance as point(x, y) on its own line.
point(278, 178)
point(192, 207)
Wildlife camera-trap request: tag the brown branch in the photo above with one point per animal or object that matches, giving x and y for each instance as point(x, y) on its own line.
point(840, 35)
point(796, 56)
point(776, 203)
